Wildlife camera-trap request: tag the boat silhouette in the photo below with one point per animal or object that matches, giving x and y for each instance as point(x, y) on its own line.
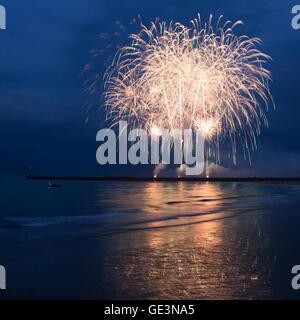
point(53, 185)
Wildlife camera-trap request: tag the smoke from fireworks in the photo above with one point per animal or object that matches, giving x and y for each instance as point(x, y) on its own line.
point(201, 77)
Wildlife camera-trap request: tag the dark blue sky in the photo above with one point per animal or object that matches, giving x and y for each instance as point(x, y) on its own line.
point(47, 43)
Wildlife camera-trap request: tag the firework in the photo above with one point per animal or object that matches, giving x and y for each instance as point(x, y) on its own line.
point(202, 77)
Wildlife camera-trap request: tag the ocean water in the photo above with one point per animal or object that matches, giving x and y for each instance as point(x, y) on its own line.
point(148, 240)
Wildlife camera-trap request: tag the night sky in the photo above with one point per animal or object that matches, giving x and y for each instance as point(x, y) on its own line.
point(46, 46)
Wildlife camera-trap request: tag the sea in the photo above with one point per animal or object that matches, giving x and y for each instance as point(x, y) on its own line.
point(148, 240)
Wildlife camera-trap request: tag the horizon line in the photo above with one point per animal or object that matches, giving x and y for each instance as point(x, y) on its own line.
point(153, 179)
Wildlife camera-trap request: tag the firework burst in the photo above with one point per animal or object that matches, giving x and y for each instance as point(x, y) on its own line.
point(202, 77)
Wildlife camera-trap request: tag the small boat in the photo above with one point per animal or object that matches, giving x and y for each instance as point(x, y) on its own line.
point(53, 185)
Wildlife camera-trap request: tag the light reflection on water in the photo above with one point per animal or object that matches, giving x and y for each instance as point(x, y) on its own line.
point(209, 260)
point(158, 240)
point(222, 252)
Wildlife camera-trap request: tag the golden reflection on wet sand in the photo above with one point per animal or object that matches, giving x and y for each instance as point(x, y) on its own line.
point(198, 256)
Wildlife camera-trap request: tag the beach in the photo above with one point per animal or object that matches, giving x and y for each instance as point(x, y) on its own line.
point(125, 240)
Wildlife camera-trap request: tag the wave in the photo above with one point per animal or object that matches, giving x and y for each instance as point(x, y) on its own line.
point(16, 222)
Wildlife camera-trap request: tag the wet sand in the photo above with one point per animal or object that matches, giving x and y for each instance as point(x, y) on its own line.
point(210, 260)
point(121, 240)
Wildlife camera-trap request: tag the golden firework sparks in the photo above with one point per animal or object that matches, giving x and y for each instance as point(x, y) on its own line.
point(202, 77)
